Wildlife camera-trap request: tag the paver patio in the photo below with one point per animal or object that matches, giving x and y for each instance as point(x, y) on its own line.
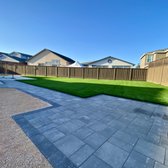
point(97, 132)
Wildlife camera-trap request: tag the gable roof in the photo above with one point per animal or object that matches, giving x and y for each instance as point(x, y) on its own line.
point(60, 55)
point(165, 50)
point(162, 50)
point(17, 58)
point(92, 62)
point(7, 55)
point(3, 53)
point(14, 53)
point(14, 56)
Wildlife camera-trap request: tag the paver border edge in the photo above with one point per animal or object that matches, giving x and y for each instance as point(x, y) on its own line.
point(53, 155)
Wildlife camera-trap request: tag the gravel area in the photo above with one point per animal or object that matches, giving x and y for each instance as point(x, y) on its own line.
point(16, 149)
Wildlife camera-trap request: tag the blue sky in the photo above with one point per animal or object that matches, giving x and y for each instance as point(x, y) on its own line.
point(84, 30)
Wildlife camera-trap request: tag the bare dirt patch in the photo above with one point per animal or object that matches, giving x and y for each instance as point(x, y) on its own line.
point(16, 149)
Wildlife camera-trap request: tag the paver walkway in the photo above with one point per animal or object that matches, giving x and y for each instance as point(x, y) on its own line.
point(98, 132)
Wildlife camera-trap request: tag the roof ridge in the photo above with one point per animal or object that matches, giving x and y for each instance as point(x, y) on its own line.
point(60, 55)
point(106, 58)
point(20, 53)
point(155, 51)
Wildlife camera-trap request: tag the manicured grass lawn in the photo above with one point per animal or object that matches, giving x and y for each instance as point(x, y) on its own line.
point(137, 90)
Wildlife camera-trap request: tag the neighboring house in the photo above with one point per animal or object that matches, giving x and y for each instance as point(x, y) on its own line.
point(7, 58)
point(152, 56)
point(47, 57)
point(21, 57)
point(15, 57)
point(109, 62)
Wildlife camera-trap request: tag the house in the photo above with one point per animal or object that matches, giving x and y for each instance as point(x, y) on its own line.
point(7, 58)
point(109, 62)
point(152, 56)
point(15, 57)
point(47, 57)
point(21, 57)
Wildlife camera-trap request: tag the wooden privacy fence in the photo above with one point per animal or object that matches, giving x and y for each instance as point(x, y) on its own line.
point(9, 67)
point(158, 72)
point(71, 72)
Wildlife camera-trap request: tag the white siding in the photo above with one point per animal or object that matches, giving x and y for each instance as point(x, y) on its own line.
point(114, 63)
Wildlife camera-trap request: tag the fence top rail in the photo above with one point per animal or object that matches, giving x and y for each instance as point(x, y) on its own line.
point(12, 63)
point(21, 64)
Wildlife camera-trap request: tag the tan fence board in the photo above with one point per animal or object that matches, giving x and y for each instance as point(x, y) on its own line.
point(158, 72)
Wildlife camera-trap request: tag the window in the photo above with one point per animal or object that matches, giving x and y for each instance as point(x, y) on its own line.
point(55, 62)
point(109, 61)
point(48, 64)
point(149, 58)
point(94, 66)
point(99, 66)
point(104, 66)
point(41, 64)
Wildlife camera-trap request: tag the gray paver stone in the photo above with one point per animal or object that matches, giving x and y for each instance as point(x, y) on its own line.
point(68, 127)
point(81, 155)
point(121, 144)
point(98, 126)
point(127, 138)
point(158, 165)
point(94, 162)
point(137, 160)
point(108, 132)
point(112, 155)
point(83, 132)
point(69, 144)
point(151, 150)
point(95, 140)
point(53, 135)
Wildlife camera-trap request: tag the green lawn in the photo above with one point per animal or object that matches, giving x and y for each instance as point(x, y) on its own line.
point(137, 90)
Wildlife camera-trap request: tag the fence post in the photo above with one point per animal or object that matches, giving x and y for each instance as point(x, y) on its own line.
point(146, 75)
point(15, 69)
point(83, 75)
point(98, 71)
point(68, 72)
point(130, 74)
point(56, 71)
point(35, 70)
point(154, 71)
point(46, 71)
point(25, 70)
point(163, 62)
point(114, 76)
point(6, 71)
